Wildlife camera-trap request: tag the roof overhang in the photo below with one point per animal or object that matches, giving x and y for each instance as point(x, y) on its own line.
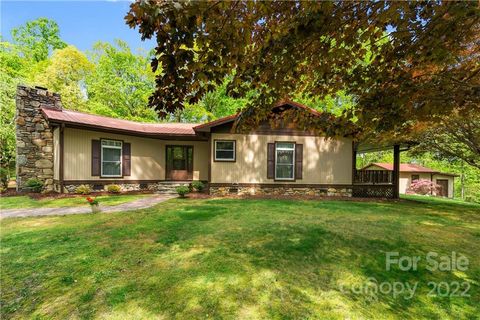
point(206, 127)
point(79, 120)
point(369, 146)
point(161, 136)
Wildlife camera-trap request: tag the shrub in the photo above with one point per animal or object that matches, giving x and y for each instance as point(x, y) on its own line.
point(83, 189)
point(423, 187)
point(34, 185)
point(182, 191)
point(4, 178)
point(198, 185)
point(114, 188)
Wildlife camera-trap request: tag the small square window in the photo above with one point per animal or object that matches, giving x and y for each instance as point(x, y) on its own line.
point(224, 150)
point(415, 177)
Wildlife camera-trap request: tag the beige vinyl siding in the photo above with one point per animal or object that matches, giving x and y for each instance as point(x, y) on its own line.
point(147, 155)
point(406, 180)
point(325, 161)
point(56, 153)
point(450, 182)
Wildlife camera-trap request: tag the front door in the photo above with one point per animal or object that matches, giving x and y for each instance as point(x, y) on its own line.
point(443, 183)
point(179, 163)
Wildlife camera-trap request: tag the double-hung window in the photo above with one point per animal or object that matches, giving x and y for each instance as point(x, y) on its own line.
point(111, 158)
point(284, 161)
point(224, 150)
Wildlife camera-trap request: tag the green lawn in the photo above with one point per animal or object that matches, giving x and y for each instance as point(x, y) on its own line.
point(27, 202)
point(239, 259)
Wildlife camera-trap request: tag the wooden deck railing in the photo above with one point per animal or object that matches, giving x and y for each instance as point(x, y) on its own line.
point(373, 177)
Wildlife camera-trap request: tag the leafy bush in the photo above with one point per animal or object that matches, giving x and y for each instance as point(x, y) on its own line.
point(473, 196)
point(83, 189)
point(34, 185)
point(114, 188)
point(182, 191)
point(423, 187)
point(198, 185)
point(4, 177)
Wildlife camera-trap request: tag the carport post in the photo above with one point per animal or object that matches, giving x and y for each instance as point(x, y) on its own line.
point(396, 171)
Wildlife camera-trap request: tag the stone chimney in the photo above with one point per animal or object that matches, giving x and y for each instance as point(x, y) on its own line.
point(34, 136)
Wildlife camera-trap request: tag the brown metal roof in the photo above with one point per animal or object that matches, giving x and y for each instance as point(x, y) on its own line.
point(180, 129)
point(214, 123)
point(407, 167)
point(90, 120)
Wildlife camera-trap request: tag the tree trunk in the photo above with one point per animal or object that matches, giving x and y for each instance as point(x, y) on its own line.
point(462, 183)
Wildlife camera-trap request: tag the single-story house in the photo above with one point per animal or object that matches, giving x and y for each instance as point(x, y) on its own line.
point(410, 172)
point(65, 149)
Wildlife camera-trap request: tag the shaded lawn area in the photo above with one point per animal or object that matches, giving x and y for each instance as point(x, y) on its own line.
point(19, 202)
point(227, 258)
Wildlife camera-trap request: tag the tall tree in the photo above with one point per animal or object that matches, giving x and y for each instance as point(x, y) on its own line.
point(13, 70)
point(215, 104)
point(454, 137)
point(33, 42)
point(121, 83)
point(38, 38)
point(65, 73)
point(402, 61)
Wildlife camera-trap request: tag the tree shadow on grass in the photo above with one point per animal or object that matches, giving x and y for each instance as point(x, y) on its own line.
point(215, 259)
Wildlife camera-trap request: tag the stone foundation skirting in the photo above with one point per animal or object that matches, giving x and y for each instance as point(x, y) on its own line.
point(287, 190)
point(161, 186)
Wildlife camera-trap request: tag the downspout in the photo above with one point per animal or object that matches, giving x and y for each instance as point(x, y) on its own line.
point(210, 151)
point(354, 162)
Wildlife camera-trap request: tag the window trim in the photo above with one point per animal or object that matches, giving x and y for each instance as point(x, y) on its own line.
point(225, 159)
point(276, 178)
point(415, 175)
point(121, 158)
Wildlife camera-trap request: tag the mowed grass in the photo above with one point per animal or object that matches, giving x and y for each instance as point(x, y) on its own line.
point(238, 259)
point(23, 202)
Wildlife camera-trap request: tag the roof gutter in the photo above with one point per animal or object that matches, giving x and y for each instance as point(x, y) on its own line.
point(77, 125)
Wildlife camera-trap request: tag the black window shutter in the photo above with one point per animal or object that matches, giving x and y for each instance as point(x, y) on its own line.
point(127, 159)
point(96, 150)
point(298, 161)
point(271, 161)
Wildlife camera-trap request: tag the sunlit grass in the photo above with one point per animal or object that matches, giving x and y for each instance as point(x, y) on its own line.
point(249, 259)
point(17, 202)
point(438, 200)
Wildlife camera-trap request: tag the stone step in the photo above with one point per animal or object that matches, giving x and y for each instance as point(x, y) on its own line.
point(169, 187)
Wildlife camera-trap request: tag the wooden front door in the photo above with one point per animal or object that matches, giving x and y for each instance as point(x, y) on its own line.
point(443, 183)
point(179, 163)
